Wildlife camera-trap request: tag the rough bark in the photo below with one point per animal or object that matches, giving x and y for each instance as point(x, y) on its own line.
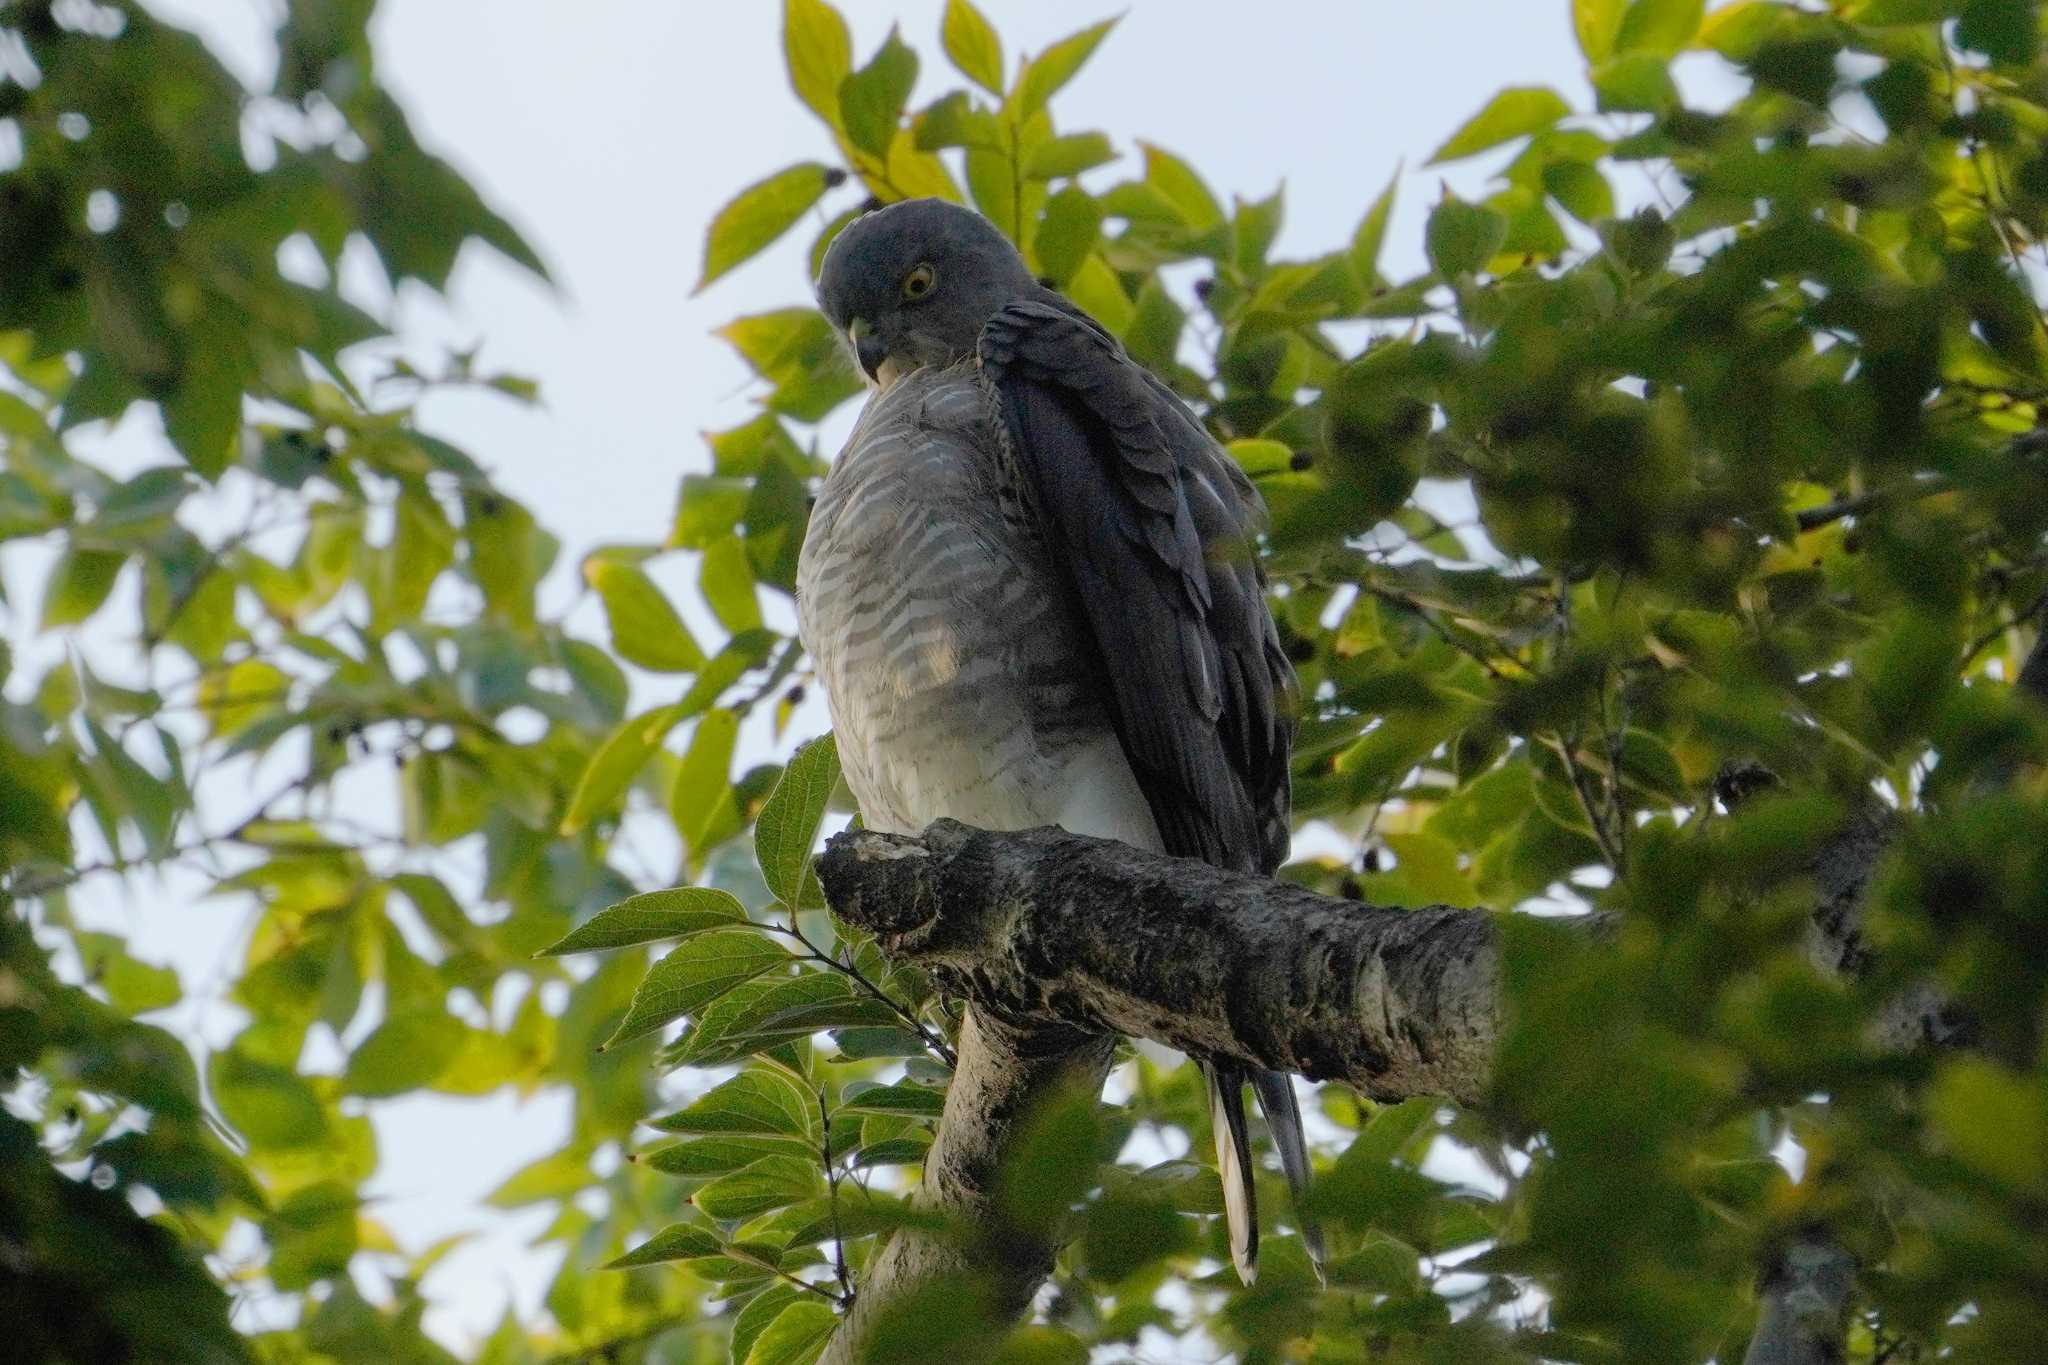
point(1805, 1315)
point(1049, 928)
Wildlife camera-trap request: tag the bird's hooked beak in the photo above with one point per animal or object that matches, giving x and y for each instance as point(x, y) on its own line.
point(872, 353)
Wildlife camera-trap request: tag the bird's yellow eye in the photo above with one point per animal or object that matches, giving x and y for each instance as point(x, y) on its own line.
point(920, 282)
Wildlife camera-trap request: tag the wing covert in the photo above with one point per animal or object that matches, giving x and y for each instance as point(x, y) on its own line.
point(1150, 524)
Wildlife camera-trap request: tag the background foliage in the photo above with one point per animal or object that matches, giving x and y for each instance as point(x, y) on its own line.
point(1706, 439)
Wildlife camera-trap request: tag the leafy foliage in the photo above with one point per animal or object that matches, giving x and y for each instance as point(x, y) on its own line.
point(1707, 439)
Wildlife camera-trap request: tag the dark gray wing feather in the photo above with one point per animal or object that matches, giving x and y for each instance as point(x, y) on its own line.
point(1151, 525)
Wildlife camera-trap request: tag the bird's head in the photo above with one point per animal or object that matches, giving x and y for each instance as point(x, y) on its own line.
point(910, 285)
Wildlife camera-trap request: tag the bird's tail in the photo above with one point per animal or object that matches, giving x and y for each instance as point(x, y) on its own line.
point(1234, 1164)
point(1275, 1090)
point(1234, 1159)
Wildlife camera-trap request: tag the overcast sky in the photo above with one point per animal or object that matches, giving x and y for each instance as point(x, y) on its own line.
point(610, 132)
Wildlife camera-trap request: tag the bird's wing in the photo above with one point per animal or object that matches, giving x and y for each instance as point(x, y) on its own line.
point(1150, 525)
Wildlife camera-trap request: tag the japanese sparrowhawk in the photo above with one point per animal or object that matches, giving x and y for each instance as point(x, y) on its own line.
point(1030, 591)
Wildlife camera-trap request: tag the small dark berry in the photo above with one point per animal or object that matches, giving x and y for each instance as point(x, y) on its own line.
point(834, 178)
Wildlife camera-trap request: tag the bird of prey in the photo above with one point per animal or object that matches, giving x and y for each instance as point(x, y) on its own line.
point(1030, 592)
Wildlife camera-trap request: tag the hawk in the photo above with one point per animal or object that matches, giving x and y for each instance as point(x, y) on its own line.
point(1029, 589)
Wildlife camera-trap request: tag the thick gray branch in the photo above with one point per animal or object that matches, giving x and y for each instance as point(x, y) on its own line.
point(1050, 928)
point(1805, 1317)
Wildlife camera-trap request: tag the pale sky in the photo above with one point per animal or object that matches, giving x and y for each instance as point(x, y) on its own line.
point(609, 133)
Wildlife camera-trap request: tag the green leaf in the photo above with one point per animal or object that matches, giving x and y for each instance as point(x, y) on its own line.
point(819, 53)
point(270, 1105)
point(1664, 27)
point(236, 697)
point(1462, 237)
point(702, 802)
point(752, 1104)
point(871, 99)
point(772, 1183)
point(1581, 188)
point(916, 1101)
point(706, 1156)
point(1372, 234)
point(760, 1311)
point(678, 912)
point(1595, 23)
point(312, 1235)
point(78, 585)
point(617, 761)
point(676, 1242)
point(972, 45)
point(796, 1337)
point(1068, 154)
point(1881, 12)
point(695, 974)
point(1067, 233)
point(1176, 182)
point(2006, 31)
point(645, 629)
point(726, 578)
point(787, 827)
point(1635, 82)
point(1514, 112)
point(904, 1151)
point(1044, 74)
point(407, 1051)
point(759, 214)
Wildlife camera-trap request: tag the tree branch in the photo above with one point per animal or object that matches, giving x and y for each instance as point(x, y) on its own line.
point(1049, 929)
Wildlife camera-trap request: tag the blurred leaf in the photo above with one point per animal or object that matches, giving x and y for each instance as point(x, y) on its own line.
point(1511, 114)
point(645, 628)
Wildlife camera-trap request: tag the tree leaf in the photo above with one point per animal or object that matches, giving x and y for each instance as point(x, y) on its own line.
point(1513, 113)
point(1044, 74)
point(1069, 154)
point(796, 1337)
point(408, 1050)
point(1596, 22)
point(871, 100)
point(759, 214)
point(1663, 27)
point(916, 1101)
point(819, 52)
point(1067, 233)
point(676, 1242)
point(787, 828)
point(645, 629)
point(972, 45)
point(678, 912)
point(726, 578)
point(612, 768)
point(1176, 183)
point(754, 1103)
point(1371, 235)
point(1463, 237)
point(78, 585)
point(695, 974)
point(772, 1183)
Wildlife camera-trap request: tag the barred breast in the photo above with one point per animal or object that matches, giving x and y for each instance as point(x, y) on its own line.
point(958, 681)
